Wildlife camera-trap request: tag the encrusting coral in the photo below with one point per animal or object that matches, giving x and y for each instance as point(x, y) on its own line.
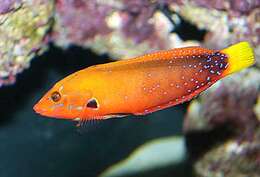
point(23, 26)
point(123, 28)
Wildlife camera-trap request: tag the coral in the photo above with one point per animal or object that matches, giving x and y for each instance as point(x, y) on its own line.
point(81, 19)
point(23, 25)
point(8, 5)
point(125, 28)
point(120, 28)
point(231, 100)
point(231, 159)
point(238, 6)
point(135, 26)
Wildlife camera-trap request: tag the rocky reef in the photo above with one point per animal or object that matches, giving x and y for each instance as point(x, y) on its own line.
point(233, 102)
point(231, 159)
point(123, 29)
point(23, 27)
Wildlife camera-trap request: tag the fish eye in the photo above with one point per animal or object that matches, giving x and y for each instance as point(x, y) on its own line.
point(55, 96)
point(92, 103)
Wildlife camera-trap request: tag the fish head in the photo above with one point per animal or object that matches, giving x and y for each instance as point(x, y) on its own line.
point(63, 101)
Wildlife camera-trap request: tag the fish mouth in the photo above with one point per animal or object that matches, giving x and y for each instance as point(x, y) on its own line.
point(39, 110)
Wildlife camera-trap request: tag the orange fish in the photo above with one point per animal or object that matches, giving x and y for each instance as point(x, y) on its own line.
point(142, 85)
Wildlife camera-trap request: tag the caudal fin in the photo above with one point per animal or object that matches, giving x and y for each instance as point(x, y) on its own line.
point(240, 56)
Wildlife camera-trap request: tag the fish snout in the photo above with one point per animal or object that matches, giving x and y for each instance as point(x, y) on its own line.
point(39, 109)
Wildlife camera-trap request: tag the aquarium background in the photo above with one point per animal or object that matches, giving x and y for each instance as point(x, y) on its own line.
point(42, 41)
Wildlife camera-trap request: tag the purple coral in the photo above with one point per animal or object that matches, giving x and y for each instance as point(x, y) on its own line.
point(244, 6)
point(7, 5)
point(136, 19)
point(83, 19)
point(240, 6)
point(231, 104)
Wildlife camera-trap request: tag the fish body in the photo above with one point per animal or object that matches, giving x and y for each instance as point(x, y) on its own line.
point(143, 84)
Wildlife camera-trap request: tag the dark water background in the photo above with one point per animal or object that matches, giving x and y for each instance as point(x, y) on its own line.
point(34, 146)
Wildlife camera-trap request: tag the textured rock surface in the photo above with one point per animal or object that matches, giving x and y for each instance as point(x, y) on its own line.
point(122, 29)
point(23, 25)
point(231, 159)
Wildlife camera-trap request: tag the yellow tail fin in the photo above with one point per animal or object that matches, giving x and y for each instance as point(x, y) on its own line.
point(240, 56)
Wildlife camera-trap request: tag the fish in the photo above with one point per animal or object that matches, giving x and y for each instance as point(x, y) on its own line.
point(142, 85)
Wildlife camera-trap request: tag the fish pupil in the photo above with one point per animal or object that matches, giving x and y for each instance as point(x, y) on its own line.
point(92, 103)
point(55, 96)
